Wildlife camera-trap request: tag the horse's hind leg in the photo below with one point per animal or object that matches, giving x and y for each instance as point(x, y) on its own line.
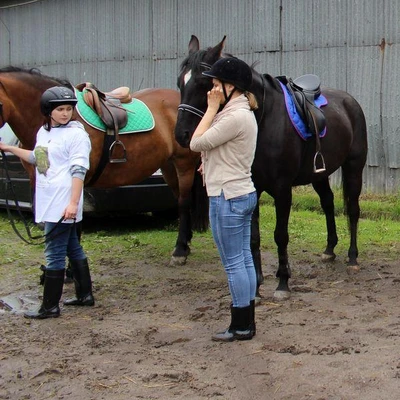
point(352, 185)
point(326, 198)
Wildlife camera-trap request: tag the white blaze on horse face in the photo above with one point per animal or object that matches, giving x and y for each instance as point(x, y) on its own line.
point(187, 77)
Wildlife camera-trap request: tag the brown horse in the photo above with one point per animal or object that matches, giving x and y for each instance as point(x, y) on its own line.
point(20, 93)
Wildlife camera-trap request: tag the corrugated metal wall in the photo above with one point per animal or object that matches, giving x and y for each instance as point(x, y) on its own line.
point(351, 44)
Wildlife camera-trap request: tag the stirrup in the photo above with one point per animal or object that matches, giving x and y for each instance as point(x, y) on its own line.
point(117, 160)
point(319, 170)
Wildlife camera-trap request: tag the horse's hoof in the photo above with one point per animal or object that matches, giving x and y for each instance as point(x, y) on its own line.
point(177, 261)
point(281, 295)
point(328, 257)
point(353, 269)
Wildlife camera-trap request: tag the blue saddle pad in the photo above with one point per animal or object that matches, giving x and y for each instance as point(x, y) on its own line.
point(296, 119)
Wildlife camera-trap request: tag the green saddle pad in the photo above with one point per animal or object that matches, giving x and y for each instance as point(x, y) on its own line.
point(140, 118)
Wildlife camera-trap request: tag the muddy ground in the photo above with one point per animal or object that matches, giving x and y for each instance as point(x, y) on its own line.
point(148, 336)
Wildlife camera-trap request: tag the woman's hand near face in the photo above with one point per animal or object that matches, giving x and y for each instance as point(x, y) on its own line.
point(214, 98)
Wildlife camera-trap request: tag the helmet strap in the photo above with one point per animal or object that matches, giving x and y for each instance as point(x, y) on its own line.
point(227, 98)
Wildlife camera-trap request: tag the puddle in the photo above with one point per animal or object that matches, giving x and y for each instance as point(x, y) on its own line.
point(18, 303)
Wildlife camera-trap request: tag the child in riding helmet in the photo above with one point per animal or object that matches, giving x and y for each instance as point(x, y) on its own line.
point(227, 136)
point(61, 157)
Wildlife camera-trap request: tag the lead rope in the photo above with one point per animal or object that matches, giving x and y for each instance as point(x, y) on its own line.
point(32, 239)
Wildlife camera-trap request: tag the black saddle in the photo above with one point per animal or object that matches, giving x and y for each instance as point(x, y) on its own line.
point(304, 90)
point(309, 84)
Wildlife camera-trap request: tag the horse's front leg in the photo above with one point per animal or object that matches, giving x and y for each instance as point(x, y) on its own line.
point(192, 204)
point(182, 249)
point(326, 197)
point(255, 247)
point(180, 179)
point(283, 203)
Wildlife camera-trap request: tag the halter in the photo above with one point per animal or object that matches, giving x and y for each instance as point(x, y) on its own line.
point(188, 107)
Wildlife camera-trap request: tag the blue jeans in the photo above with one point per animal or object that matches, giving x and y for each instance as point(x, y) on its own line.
point(61, 242)
point(231, 228)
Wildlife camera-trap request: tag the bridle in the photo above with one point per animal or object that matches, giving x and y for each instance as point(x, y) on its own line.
point(188, 107)
point(200, 113)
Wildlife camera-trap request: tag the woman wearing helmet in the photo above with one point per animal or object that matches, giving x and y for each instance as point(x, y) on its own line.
point(61, 157)
point(226, 136)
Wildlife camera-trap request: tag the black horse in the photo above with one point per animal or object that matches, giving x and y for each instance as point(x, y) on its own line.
point(283, 159)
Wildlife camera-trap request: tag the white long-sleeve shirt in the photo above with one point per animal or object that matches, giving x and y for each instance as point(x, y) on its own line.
point(56, 151)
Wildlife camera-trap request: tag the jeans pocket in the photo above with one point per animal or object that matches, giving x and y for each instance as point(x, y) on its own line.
point(243, 205)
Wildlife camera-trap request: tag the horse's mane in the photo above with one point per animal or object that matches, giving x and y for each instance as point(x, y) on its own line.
point(193, 60)
point(35, 72)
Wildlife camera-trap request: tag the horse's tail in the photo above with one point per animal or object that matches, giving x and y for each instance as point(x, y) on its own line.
point(352, 171)
point(199, 205)
point(345, 194)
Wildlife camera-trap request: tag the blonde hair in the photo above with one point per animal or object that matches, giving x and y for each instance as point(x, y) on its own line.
point(252, 100)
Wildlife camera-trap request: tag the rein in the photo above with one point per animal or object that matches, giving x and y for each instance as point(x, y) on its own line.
point(188, 107)
point(32, 239)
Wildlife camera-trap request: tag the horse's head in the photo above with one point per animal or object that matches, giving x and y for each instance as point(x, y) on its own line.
point(194, 86)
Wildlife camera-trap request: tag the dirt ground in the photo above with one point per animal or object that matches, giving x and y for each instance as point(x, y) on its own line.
point(336, 338)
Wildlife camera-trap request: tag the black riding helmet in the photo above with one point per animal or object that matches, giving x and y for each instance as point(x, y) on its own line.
point(232, 70)
point(56, 96)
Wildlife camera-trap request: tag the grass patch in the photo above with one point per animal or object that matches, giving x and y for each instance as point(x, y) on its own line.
point(373, 206)
point(145, 238)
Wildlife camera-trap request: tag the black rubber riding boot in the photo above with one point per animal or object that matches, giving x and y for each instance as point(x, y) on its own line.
point(252, 317)
point(83, 284)
point(53, 286)
point(239, 328)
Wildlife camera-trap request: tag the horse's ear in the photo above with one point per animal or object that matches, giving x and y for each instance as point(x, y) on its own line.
point(216, 52)
point(194, 44)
